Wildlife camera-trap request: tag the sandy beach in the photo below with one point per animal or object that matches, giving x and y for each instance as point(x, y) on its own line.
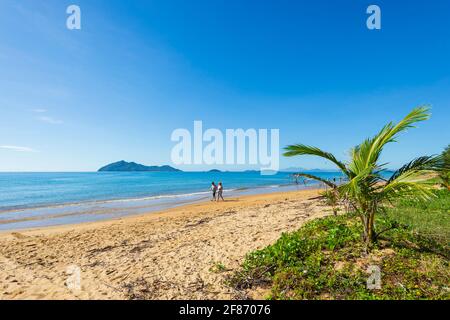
point(182, 253)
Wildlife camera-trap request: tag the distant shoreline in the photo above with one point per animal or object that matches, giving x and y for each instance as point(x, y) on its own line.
point(97, 211)
point(167, 212)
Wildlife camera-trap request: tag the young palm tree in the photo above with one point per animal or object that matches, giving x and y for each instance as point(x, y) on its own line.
point(332, 199)
point(366, 190)
point(445, 174)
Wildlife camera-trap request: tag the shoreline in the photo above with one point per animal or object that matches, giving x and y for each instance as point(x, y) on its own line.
point(169, 254)
point(175, 211)
point(112, 209)
point(233, 191)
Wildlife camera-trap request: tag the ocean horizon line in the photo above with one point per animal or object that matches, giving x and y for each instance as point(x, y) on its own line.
point(183, 171)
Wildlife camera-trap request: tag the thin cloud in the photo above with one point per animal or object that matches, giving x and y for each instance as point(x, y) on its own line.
point(46, 119)
point(50, 120)
point(40, 110)
point(18, 148)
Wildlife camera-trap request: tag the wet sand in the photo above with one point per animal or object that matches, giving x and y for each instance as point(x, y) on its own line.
point(181, 253)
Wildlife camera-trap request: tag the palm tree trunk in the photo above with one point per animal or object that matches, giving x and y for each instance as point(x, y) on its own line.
point(369, 229)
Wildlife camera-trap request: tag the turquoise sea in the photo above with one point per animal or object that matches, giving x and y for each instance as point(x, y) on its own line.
point(30, 200)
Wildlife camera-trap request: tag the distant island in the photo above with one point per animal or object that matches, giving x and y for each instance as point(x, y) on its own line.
point(133, 166)
point(124, 166)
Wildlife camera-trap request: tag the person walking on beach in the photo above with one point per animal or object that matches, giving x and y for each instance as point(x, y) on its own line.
point(214, 190)
point(220, 192)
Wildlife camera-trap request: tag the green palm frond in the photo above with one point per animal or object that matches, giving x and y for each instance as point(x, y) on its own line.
point(310, 176)
point(406, 189)
point(367, 178)
point(301, 149)
point(418, 166)
point(369, 151)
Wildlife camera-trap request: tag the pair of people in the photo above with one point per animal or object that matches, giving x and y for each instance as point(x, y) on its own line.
point(217, 191)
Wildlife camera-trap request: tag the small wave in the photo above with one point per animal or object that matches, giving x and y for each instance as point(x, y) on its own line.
point(100, 202)
point(91, 203)
point(167, 196)
point(239, 189)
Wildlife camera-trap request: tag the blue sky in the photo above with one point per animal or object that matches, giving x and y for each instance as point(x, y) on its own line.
point(137, 70)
